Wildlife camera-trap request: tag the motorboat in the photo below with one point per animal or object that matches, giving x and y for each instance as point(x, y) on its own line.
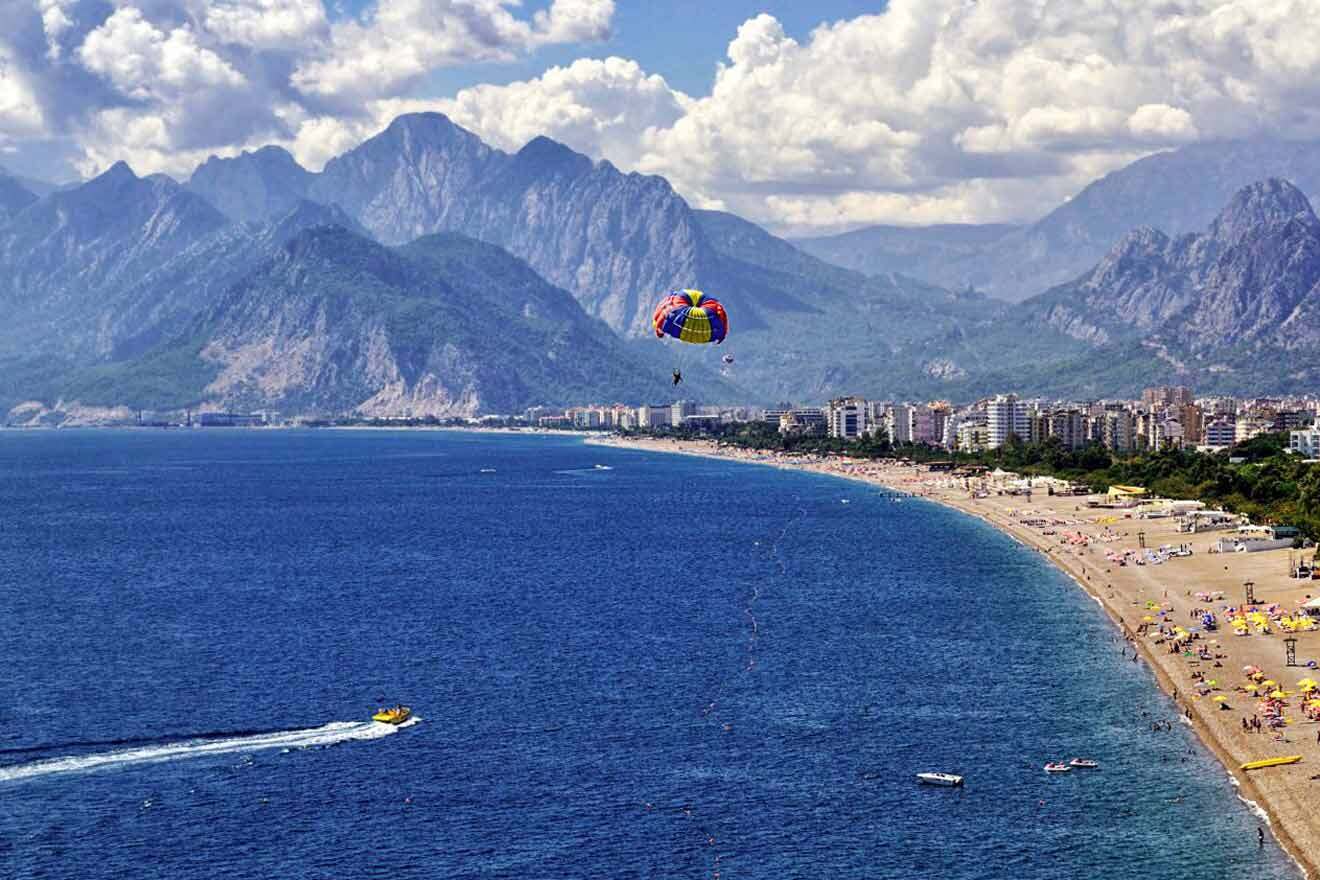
point(1057, 767)
point(940, 778)
point(1083, 763)
point(393, 715)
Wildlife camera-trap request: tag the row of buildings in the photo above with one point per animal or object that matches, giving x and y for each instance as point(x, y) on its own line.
point(1164, 416)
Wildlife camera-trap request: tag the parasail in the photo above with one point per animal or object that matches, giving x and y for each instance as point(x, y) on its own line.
point(728, 359)
point(690, 316)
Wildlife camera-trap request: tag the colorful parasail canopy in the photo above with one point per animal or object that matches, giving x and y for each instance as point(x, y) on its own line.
point(690, 316)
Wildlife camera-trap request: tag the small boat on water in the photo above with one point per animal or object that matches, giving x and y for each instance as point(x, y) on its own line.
point(393, 715)
point(1083, 763)
point(1057, 767)
point(488, 470)
point(1271, 762)
point(940, 778)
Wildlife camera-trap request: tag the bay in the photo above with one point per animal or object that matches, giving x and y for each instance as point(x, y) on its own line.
point(625, 665)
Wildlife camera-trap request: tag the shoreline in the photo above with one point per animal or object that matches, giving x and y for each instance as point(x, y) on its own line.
point(1282, 797)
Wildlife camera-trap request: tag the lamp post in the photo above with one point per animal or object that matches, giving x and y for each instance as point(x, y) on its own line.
point(1290, 651)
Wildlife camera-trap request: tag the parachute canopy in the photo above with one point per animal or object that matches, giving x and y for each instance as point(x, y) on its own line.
point(728, 359)
point(690, 316)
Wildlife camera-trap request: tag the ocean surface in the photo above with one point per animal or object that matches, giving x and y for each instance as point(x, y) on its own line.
point(624, 665)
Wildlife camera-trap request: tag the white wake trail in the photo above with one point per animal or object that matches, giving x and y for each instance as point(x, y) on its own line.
point(325, 735)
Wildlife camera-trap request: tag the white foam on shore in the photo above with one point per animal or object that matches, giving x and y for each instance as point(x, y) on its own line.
point(325, 735)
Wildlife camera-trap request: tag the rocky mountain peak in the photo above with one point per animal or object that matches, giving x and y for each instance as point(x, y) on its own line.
point(1266, 203)
point(545, 154)
point(421, 131)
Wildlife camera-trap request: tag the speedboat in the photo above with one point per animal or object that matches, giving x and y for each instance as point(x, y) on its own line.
point(1083, 763)
point(394, 715)
point(1057, 767)
point(940, 778)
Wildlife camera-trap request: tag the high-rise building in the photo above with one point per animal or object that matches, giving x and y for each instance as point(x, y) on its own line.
point(1193, 423)
point(845, 417)
point(1068, 425)
point(1219, 433)
point(1118, 430)
point(1167, 395)
point(898, 423)
point(1007, 416)
point(921, 424)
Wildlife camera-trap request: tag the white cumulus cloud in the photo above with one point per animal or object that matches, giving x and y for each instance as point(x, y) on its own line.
point(402, 40)
point(939, 109)
point(144, 61)
point(267, 24)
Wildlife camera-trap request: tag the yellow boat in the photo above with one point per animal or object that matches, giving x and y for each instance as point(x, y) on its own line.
point(396, 715)
point(1271, 762)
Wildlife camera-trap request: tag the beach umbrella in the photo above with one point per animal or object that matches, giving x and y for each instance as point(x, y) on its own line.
point(1307, 684)
point(1219, 698)
point(1278, 695)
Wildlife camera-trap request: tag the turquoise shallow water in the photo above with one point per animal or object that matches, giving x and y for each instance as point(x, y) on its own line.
point(661, 667)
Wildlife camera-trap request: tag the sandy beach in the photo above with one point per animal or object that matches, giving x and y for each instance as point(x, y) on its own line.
point(1157, 605)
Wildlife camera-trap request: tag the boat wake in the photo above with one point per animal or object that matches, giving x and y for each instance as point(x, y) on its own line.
point(177, 750)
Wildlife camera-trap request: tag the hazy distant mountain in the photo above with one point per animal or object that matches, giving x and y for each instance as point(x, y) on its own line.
point(1178, 192)
point(14, 197)
point(920, 251)
point(65, 257)
point(252, 186)
point(335, 322)
point(1243, 279)
point(1235, 307)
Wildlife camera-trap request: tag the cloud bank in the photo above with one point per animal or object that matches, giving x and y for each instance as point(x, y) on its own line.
point(930, 111)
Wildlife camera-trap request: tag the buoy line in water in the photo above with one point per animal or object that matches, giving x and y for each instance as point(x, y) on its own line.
point(753, 638)
point(175, 750)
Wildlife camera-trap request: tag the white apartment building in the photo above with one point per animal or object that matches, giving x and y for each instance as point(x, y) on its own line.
point(1247, 428)
point(845, 417)
point(1006, 415)
point(1305, 443)
point(1220, 433)
point(898, 423)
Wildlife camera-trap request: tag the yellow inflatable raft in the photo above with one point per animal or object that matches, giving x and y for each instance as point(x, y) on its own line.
point(1271, 762)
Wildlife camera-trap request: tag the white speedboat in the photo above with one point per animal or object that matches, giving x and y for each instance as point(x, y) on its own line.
point(1057, 767)
point(1083, 763)
point(940, 778)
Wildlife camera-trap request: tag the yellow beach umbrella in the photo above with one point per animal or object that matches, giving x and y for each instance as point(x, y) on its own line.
point(1307, 684)
point(1278, 695)
point(1219, 698)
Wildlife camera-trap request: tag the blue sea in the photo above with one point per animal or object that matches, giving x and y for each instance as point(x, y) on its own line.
point(624, 665)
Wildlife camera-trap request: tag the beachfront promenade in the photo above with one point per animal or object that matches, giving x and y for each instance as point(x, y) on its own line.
point(1158, 606)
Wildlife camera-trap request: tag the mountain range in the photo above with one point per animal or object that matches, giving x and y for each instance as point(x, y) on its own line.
point(425, 272)
point(1178, 192)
